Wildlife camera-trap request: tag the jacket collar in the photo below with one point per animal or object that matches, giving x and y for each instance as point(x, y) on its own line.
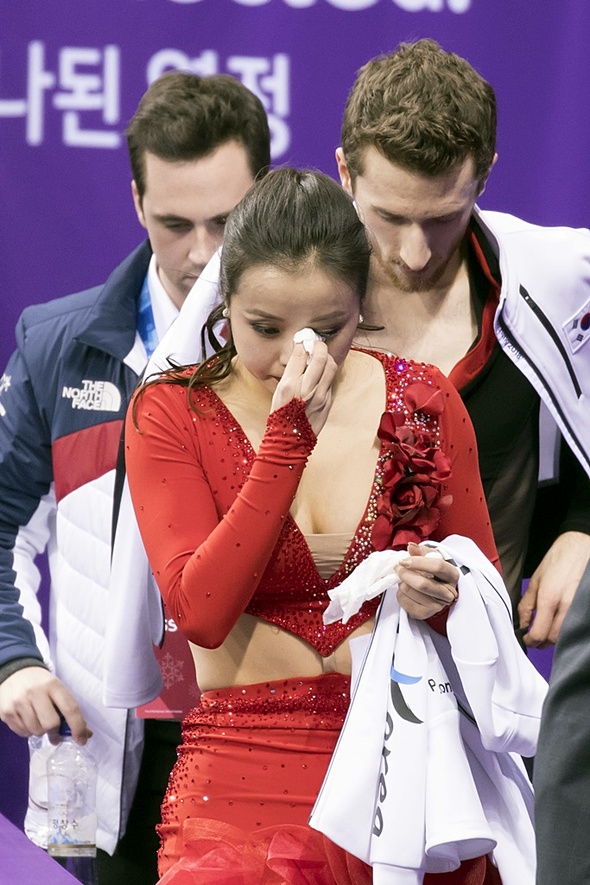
point(487, 243)
point(112, 321)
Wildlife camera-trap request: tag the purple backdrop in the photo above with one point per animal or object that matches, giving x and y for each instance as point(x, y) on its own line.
point(71, 75)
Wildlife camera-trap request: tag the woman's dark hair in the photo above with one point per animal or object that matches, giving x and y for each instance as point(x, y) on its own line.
point(288, 219)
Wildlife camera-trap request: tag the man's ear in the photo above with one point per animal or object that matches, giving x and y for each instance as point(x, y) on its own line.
point(137, 204)
point(484, 181)
point(343, 172)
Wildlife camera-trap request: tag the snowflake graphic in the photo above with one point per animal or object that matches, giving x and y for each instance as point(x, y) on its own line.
point(171, 669)
point(194, 694)
point(4, 385)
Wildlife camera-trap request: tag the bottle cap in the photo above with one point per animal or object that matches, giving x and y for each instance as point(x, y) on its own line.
point(64, 729)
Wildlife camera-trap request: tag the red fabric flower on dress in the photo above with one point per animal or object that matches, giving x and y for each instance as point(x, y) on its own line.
point(410, 505)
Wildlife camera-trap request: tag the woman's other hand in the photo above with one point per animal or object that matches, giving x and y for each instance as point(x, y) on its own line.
point(427, 582)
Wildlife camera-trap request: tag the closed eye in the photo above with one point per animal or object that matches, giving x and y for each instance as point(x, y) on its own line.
point(265, 331)
point(445, 219)
point(326, 334)
point(177, 226)
point(391, 219)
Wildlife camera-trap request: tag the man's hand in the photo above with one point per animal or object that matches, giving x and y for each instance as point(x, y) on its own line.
point(551, 589)
point(32, 699)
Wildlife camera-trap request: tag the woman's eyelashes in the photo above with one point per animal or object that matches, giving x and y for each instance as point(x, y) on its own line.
point(272, 331)
point(265, 331)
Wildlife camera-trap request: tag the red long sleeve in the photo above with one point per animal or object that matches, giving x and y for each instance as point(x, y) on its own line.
point(208, 564)
point(468, 514)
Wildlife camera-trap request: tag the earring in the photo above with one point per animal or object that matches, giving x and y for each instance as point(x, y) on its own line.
point(361, 318)
point(225, 313)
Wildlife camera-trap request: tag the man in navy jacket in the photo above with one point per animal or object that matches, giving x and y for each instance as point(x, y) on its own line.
point(195, 145)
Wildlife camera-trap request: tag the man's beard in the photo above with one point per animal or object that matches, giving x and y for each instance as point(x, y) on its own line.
point(414, 283)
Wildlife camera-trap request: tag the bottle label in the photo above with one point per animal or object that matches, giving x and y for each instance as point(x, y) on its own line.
point(70, 834)
point(71, 772)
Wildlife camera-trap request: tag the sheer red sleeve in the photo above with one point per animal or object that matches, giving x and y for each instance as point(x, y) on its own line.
point(468, 514)
point(208, 567)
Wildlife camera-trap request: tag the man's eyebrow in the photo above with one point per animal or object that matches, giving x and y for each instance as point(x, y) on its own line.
point(171, 217)
point(388, 212)
point(168, 218)
point(444, 216)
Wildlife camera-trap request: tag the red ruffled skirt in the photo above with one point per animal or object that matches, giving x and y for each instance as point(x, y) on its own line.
point(249, 768)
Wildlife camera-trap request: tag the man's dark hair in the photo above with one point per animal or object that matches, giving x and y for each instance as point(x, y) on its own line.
point(422, 108)
point(184, 117)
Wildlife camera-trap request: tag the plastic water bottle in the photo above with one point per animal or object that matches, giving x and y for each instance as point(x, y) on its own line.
point(71, 807)
point(37, 822)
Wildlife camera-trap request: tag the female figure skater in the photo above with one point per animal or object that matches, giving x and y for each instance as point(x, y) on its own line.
point(261, 478)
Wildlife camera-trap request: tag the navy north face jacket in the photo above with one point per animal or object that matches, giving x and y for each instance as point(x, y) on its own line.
point(63, 398)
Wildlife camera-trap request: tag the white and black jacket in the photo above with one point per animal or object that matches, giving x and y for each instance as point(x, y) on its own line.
point(544, 309)
point(426, 771)
point(543, 318)
point(63, 398)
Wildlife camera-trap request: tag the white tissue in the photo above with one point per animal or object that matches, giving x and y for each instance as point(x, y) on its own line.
point(372, 577)
point(307, 337)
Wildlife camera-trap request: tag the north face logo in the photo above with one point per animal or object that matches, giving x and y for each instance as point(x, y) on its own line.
point(96, 396)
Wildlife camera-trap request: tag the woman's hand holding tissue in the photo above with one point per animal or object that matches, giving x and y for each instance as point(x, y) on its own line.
point(425, 584)
point(309, 375)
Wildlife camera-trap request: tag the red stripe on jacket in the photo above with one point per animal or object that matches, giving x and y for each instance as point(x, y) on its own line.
point(85, 455)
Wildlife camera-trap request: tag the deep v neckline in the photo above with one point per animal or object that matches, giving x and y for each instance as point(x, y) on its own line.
point(290, 521)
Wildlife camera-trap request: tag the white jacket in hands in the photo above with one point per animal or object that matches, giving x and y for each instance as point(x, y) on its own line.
point(426, 772)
